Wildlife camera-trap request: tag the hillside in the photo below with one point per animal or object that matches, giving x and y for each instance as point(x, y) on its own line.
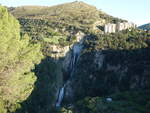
point(64, 19)
point(74, 11)
point(70, 13)
point(145, 26)
point(84, 70)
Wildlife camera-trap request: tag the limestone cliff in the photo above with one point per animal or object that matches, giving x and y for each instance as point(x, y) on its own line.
point(104, 71)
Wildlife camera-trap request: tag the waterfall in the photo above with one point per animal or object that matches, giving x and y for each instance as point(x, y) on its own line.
point(60, 97)
point(74, 60)
point(74, 57)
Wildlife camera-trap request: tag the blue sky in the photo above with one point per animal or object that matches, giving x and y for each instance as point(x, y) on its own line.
point(137, 11)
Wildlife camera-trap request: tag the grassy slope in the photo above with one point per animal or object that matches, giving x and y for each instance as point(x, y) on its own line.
point(74, 14)
point(69, 12)
point(43, 23)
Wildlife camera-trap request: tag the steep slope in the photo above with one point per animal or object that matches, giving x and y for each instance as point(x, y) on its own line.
point(115, 64)
point(105, 64)
point(64, 19)
point(58, 10)
point(75, 13)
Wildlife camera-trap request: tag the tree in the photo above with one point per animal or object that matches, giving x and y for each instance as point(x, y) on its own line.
point(17, 57)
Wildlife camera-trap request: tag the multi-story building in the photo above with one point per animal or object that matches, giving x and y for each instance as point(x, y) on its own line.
point(112, 28)
point(119, 26)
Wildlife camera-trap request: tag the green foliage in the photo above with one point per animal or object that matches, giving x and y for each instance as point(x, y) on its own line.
point(17, 57)
point(43, 96)
point(2, 107)
point(126, 102)
point(63, 19)
point(58, 40)
point(38, 29)
point(123, 59)
point(125, 40)
point(75, 13)
point(56, 25)
point(63, 110)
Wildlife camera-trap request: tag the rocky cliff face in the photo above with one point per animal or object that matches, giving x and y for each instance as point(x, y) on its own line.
point(106, 72)
point(91, 69)
point(102, 72)
point(58, 51)
point(81, 64)
point(65, 59)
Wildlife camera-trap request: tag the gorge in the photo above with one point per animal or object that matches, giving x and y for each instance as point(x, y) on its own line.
point(59, 60)
point(75, 53)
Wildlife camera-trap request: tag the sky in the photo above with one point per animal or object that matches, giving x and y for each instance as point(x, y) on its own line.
point(137, 11)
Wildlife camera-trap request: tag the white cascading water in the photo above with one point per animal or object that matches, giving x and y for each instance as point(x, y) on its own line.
point(76, 50)
point(60, 97)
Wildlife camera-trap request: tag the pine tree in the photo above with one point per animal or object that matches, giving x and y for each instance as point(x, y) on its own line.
point(17, 57)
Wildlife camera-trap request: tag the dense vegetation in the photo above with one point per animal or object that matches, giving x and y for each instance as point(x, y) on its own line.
point(61, 22)
point(71, 15)
point(125, 40)
point(126, 49)
point(125, 58)
point(125, 102)
point(123, 75)
point(43, 96)
point(17, 58)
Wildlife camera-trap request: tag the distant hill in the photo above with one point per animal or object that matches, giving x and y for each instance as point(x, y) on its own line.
point(98, 74)
point(65, 19)
point(69, 13)
point(77, 14)
point(145, 26)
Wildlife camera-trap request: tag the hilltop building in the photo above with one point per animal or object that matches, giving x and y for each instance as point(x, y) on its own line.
point(112, 28)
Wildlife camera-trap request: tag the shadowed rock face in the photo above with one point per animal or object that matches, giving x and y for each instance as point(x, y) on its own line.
point(69, 65)
point(108, 72)
point(73, 72)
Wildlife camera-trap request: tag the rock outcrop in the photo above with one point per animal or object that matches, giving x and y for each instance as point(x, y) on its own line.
point(101, 74)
